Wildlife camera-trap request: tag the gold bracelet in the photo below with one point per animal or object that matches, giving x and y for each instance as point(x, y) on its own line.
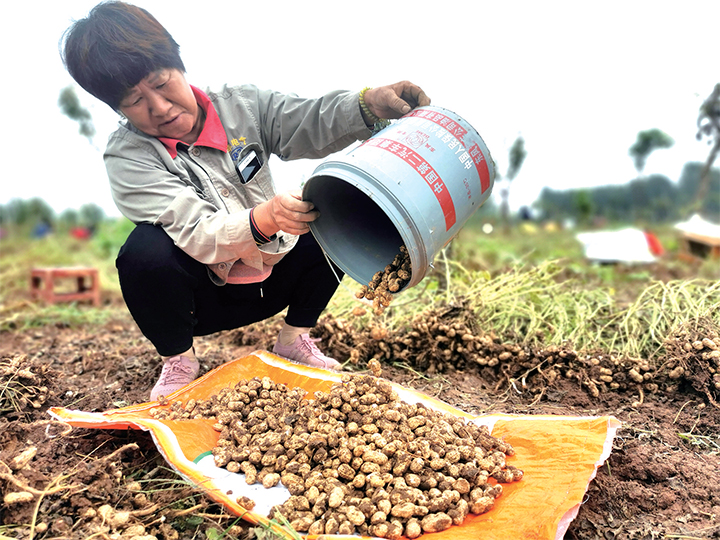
point(374, 119)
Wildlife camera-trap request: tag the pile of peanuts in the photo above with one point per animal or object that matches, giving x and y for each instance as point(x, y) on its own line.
point(356, 459)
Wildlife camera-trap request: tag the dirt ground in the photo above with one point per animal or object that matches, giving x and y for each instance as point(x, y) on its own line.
point(661, 480)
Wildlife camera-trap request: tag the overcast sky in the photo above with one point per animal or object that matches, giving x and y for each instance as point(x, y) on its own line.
point(578, 80)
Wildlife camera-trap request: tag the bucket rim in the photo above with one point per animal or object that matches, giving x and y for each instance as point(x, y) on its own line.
point(383, 197)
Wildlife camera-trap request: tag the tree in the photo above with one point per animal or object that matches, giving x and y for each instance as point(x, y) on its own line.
point(25, 212)
point(708, 126)
point(517, 157)
point(70, 106)
point(69, 217)
point(583, 206)
point(39, 210)
point(647, 142)
point(654, 198)
point(91, 215)
point(694, 180)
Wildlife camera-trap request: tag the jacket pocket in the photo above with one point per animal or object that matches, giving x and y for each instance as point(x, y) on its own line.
point(256, 183)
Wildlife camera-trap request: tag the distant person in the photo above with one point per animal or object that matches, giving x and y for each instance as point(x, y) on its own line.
point(654, 244)
point(80, 233)
point(42, 229)
point(214, 247)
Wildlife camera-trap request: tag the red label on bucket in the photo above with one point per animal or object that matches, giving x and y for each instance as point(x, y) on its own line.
point(443, 121)
point(457, 131)
point(481, 166)
point(424, 169)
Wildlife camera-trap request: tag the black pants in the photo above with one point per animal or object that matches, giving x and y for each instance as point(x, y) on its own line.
point(172, 298)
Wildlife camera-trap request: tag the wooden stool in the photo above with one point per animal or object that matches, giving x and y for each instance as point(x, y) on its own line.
point(43, 281)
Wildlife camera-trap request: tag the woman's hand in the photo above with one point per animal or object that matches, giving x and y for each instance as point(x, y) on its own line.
point(395, 100)
point(285, 212)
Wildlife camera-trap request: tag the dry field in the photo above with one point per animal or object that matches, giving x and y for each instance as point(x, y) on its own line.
point(656, 369)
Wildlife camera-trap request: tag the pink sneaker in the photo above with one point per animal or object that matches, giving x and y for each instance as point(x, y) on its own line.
point(304, 351)
point(176, 373)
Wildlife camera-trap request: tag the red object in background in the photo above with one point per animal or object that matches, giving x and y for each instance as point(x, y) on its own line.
point(44, 280)
point(81, 233)
point(654, 244)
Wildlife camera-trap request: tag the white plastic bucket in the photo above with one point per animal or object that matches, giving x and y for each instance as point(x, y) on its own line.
point(414, 183)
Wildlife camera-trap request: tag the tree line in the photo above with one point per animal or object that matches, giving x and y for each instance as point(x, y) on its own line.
point(27, 213)
point(651, 199)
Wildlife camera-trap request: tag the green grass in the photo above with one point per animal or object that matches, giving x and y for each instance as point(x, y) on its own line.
point(530, 286)
point(531, 306)
point(533, 244)
point(536, 288)
point(20, 253)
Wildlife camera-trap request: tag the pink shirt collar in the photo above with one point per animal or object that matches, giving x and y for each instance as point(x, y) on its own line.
point(213, 132)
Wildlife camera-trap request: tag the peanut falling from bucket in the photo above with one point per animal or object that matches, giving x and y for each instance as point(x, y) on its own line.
point(415, 183)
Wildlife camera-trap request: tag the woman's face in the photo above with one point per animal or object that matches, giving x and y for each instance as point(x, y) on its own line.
point(163, 105)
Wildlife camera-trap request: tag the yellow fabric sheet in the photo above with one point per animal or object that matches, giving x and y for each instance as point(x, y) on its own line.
point(558, 454)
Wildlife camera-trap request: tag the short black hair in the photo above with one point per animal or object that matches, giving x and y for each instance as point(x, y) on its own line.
point(115, 47)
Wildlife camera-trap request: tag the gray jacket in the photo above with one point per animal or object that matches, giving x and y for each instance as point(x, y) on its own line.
point(198, 198)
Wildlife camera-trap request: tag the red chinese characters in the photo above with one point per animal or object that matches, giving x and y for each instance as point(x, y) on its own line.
point(450, 129)
point(481, 166)
point(425, 170)
point(441, 120)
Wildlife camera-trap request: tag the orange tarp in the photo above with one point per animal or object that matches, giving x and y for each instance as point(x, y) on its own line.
point(558, 454)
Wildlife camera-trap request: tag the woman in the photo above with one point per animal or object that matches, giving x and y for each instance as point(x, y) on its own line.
point(215, 247)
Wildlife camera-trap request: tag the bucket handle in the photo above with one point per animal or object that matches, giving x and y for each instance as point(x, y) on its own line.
point(359, 300)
